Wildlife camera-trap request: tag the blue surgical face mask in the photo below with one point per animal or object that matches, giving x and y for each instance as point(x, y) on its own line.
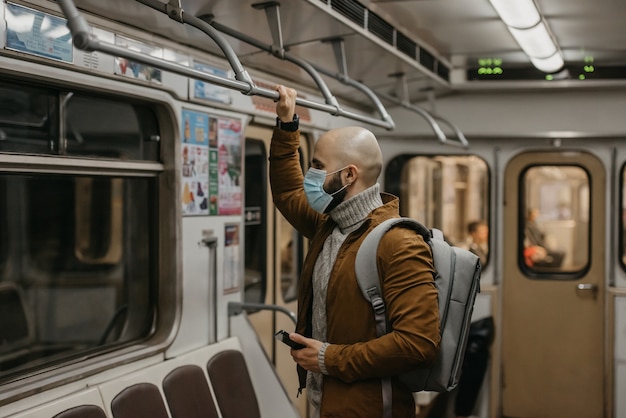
point(318, 198)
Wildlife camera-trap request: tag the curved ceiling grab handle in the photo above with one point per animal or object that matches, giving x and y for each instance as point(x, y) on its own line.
point(441, 136)
point(279, 53)
point(277, 49)
point(174, 10)
point(83, 39)
point(342, 76)
point(461, 140)
point(402, 93)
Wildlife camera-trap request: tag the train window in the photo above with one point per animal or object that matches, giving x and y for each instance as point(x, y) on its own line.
point(98, 229)
point(78, 241)
point(290, 244)
point(445, 192)
point(554, 219)
point(26, 124)
point(623, 218)
point(4, 226)
point(256, 222)
point(96, 126)
point(92, 126)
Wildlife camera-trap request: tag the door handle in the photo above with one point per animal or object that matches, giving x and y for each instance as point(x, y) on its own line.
point(587, 287)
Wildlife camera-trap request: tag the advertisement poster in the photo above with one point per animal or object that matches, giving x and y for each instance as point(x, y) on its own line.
point(231, 258)
point(133, 69)
point(195, 163)
point(208, 91)
point(211, 153)
point(229, 155)
point(37, 33)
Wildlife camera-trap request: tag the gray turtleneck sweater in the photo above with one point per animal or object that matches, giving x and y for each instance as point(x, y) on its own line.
point(349, 216)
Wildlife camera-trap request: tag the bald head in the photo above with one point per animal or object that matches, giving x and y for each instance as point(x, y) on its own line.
point(351, 145)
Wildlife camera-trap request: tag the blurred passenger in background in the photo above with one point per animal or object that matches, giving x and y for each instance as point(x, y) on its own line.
point(479, 234)
point(533, 233)
point(536, 252)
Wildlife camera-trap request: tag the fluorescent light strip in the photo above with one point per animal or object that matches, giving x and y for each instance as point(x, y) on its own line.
point(548, 65)
point(525, 24)
point(517, 13)
point(536, 41)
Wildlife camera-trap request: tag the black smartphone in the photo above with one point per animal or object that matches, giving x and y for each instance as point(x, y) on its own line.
point(283, 336)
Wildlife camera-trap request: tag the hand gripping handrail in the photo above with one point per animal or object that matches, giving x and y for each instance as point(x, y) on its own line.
point(83, 39)
point(272, 12)
point(330, 99)
point(236, 308)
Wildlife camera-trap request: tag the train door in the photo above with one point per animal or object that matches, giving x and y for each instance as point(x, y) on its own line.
point(273, 257)
point(553, 286)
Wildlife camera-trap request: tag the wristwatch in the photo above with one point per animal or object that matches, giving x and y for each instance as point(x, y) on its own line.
point(289, 126)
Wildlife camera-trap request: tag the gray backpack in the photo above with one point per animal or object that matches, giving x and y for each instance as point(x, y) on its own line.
point(457, 281)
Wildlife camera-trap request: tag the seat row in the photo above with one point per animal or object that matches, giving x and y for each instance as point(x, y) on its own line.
point(210, 383)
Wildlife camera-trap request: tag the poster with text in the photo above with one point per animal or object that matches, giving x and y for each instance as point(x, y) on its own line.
point(229, 166)
point(134, 69)
point(195, 162)
point(37, 33)
point(209, 91)
point(232, 250)
point(211, 164)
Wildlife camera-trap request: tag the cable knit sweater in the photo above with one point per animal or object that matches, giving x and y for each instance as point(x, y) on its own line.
point(349, 215)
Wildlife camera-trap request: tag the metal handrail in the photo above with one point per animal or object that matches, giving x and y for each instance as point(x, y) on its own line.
point(462, 140)
point(342, 76)
point(85, 40)
point(402, 99)
point(311, 68)
point(236, 308)
point(432, 121)
point(328, 96)
point(429, 118)
point(340, 57)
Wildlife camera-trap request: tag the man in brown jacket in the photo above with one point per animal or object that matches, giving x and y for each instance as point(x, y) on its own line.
point(335, 205)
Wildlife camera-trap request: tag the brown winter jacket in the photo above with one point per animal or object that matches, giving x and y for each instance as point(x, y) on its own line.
point(356, 359)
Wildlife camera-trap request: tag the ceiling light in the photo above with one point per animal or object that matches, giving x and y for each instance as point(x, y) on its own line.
point(517, 14)
point(536, 41)
point(527, 27)
point(548, 65)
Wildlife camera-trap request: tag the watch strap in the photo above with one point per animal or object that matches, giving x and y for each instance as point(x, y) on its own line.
point(292, 126)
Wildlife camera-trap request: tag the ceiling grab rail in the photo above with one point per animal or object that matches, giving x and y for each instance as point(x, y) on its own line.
point(461, 139)
point(460, 136)
point(402, 98)
point(175, 11)
point(83, 39)
point(343, 77)
point(278, 50)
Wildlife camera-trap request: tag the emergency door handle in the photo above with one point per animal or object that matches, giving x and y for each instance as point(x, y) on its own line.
point(587, 287)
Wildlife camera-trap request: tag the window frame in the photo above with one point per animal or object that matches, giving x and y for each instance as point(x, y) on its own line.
point(538, 274)
point(166, 289)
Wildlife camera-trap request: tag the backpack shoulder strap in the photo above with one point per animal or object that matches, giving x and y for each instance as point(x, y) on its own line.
point(367, 276)
point(367, 269)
